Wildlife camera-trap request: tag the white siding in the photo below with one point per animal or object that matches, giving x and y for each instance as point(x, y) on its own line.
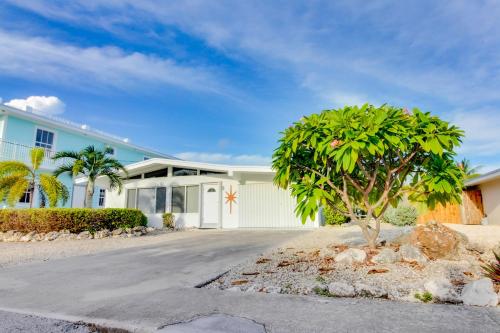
point(266, 206)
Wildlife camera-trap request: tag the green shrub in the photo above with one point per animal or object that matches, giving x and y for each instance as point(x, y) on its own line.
point(401, 215)
point(425, 297)
point(333, 217)
point(73, 219)
point(168, 220)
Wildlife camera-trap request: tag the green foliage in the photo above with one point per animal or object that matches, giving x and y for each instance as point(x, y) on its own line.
point(16, 178)
point(168, 220)
point(401, 215)
point(492, 270)
point(334, 217)
point(320, 279)
point(323, 292)
point(92, 163)
point(73, 219)
point(368, 157)
point(425, 297)
point(468, 170)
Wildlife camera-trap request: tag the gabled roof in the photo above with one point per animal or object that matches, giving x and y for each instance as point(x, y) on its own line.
point(70, 126)
point(487, 177)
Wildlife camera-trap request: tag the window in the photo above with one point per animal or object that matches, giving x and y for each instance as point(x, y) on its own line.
point(44, 139)
point(139, 176)
point(184, 172)
point(146, 200)
point(156, 174)
point(26, 198)
point(102, 197)
point(161, 200)
point(131, 198)
point(208, 173)
point(185, 199)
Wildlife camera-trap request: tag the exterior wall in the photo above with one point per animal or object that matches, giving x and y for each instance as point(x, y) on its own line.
point(228, 219)
point(491, 201)
point(21, 131)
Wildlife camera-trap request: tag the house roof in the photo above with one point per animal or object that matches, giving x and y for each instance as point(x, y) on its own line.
point(487, 177)
point(78, 128)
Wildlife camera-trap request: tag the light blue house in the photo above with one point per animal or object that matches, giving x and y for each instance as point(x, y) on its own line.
point(22, 130)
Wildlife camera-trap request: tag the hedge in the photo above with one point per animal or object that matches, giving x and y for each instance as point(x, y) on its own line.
point(73, 219)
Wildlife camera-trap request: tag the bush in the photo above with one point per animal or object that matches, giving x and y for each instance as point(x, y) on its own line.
point(168, 220)
point(332, 217)
point(73, 219)
point(401, 215)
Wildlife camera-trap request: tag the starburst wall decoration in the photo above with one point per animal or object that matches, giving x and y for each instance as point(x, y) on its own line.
point(230, 198)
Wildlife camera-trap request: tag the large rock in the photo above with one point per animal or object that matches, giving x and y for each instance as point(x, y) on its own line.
point(437, 241)
point(351, 256)
point(117, 232)
point(367, 290)
point(386, 256)
point(442, 290)
point(50, 236)
point(28, 237)
point(479, 293)
point(102, 234)
point(412, 253)
point(341, 289)
point(84, 235)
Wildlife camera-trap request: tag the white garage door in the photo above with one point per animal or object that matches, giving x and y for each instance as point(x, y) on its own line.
point(266, 206)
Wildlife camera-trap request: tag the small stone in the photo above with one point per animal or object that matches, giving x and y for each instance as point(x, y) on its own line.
point(411, 253)
point(386, 256)
point(117, 232)
point(84, 235)
point(351, 256)
point(442, 290)
point(479, 293)
point(341, 289)
point(272, 289)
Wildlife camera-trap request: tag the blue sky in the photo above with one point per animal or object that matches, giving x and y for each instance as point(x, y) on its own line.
point(218, 80)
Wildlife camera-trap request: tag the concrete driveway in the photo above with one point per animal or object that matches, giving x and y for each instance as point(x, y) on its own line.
point(152, 287)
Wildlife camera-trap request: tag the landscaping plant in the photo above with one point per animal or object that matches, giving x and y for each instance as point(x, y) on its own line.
point(334, 217)
point(368, 158)
point(91, 163)
point(17, 178)
point(492, 270)
point(168, 220)
point(401, 215)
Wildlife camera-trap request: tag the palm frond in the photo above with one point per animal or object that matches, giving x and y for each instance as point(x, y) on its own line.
point(67, 154)
point(37, 155)
point(492, 270)
point(54, 189)
point(62, 169)
point(17, 190)
point(13, 167)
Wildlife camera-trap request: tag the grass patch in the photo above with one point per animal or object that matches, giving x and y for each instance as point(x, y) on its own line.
point(425, 297)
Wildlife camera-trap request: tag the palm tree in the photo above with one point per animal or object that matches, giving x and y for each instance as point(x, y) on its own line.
point(467, 169)
point(17, 178)
point(91, 163)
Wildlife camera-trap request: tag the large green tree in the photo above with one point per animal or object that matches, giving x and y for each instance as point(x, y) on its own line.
point(17, 178)
point(360, 160)
point(91, 163)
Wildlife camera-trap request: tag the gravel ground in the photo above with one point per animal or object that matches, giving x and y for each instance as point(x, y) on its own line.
point(15, 322)
point(21, 253)
point(306, 264)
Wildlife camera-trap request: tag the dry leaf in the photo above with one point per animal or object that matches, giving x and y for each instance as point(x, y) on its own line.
point(239, 282)
point(378, 270)
point(262, 260)
point(250, 273)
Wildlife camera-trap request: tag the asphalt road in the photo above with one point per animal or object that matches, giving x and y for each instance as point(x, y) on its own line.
point(152, 287)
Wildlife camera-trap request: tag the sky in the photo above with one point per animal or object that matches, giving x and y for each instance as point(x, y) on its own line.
point(217, 81)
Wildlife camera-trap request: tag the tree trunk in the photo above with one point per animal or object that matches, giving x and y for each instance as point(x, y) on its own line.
point(369, 233)
point(89, 194)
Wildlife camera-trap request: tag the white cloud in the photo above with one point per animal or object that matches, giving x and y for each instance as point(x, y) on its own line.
point(88, 67)
point(225, 158)
point(482, 134)
point(49, 105)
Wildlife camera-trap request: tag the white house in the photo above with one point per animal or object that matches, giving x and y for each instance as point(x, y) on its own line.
point(206, 195)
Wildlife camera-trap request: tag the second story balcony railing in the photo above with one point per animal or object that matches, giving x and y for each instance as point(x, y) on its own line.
point(11, 151)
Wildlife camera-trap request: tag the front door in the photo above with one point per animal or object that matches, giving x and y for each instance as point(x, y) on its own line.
point(210, 203)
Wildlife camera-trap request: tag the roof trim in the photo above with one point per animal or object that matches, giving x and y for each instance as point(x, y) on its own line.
point(70, 126)
point(487, 177)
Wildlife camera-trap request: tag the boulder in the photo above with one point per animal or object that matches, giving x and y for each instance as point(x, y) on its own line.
point(117, 232)
point(39, 237)
point(442, 290)
point(351, 256)
point(12, 236)
point(386, 256)
point(367, 290)
point(479, 293)
point(28, 237)
point(341, 289)
point(437, 241)
point(150, 229)
point(409, 252)
point(102, 234)
point(50, 236)
point(84, 235)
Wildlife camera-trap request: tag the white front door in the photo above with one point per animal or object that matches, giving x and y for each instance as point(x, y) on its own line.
point(210, 205)
point(78, 196)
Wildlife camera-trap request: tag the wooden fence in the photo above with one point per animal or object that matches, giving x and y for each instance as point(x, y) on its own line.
point(471, 210)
